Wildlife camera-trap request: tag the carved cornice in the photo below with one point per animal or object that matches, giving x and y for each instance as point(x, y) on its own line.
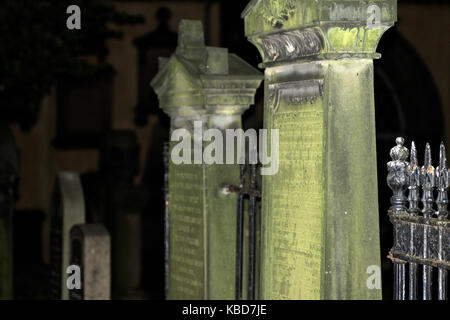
point(289, 45)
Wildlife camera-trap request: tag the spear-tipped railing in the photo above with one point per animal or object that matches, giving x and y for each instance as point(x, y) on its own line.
point(421, 237)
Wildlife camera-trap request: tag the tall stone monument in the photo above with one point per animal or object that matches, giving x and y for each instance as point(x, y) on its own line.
point(320, 230)
point(67, 210)
point(209, 85)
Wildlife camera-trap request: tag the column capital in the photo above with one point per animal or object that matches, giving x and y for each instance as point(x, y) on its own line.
point(303, 30)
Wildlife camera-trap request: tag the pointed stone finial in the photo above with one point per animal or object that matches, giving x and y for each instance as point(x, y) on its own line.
point(427, 181)
point(397, 177)
point(413, 172)
point(204, 83)
point(191, 40)
point(442, 184)
point(190, 34)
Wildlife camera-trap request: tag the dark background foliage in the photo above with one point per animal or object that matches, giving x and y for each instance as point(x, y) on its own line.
point(36, 47)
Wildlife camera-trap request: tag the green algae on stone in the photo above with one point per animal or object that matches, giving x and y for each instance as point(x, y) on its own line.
point(200, 83)
point(322, 29)
point(320, 211)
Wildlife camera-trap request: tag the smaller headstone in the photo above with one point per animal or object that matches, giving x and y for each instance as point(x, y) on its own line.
point(67, 210)
point(91, 253)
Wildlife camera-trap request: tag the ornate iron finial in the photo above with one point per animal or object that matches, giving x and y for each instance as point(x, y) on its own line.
point(397, 178)
point(399, 152)
point(442, 184)
point(413, 172)
point(427, 180)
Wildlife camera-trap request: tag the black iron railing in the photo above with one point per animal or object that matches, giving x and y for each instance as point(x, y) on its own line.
point(421, 236)
point(247, 188)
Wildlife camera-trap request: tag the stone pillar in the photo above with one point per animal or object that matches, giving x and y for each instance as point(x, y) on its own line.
point(202, 88)
point(320, 229)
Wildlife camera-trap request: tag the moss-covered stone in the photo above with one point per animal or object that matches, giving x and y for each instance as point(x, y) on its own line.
point(319, 229)
point(316, 29)
point(215, 87)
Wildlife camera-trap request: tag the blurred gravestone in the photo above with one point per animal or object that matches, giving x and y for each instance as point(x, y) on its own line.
point(114, 200)
point(90, 251)
point(67, 210)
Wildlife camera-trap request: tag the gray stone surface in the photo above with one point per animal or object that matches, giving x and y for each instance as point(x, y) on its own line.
point(67, 210)
point(91, 251)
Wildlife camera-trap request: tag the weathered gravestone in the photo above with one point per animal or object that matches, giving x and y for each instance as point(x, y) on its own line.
point(320, 211)
point(114, 200)
point(9, 168)
point(91, 252)
point(209, 85)
point(67, 210)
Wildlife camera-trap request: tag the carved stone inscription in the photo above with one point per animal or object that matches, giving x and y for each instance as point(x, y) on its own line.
point(187, 250)
point(296, 204)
